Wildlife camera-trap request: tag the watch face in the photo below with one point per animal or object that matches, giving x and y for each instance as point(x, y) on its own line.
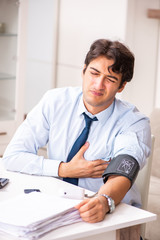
point(112, 206)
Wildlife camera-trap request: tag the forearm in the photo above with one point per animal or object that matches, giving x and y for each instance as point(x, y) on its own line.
point(94, 209)
point(30, 163)
point(21, 153)
point(116, 187)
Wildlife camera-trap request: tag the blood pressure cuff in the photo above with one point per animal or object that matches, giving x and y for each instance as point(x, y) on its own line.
point(122, 165)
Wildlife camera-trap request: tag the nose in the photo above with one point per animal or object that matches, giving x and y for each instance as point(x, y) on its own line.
point(99, 83)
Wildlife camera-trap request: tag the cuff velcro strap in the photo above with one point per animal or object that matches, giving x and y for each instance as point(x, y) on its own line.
point(122, 165)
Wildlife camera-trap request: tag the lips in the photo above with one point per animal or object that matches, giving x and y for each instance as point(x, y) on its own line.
point(96, 93)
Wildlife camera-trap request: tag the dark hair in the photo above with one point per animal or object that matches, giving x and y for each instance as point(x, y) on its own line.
point(122, 56)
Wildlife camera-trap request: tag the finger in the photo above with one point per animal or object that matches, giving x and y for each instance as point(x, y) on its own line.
point(92, 171)
point(83, 149)
point(89, 216)
point(92, 211)
point(98, 170)
point(78, 206)
point(100, 162)
point(88, 204)
point(98, 173)
point(100, 167)
point(86, 210)
point(92, 219)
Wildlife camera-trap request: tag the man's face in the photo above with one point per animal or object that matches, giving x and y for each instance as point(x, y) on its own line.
point(99, 85)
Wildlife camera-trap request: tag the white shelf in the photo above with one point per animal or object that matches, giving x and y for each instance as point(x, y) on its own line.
point(8, 35)
point(7, 109)
point(7, 115)
point(6, 76)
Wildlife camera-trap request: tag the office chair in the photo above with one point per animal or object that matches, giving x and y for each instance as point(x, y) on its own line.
point(143, 181)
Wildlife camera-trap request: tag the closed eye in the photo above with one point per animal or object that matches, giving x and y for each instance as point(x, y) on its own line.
point(111, 80)
point(94, 73)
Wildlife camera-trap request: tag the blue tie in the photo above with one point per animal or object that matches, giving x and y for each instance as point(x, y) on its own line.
point(78, 144)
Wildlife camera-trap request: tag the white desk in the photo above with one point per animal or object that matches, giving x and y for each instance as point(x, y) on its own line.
point(124, 215)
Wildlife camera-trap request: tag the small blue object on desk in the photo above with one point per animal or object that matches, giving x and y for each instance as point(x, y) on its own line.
point(31, 190)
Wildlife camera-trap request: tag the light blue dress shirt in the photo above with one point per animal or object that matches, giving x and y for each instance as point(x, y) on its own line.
point(57, 121)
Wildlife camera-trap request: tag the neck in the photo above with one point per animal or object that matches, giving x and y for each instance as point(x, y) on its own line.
point(95, 109)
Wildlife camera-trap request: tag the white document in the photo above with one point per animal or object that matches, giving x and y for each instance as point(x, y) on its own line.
point(34, 214)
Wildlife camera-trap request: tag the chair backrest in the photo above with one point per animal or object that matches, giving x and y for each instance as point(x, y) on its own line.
point(142, 182)
point(143, 179)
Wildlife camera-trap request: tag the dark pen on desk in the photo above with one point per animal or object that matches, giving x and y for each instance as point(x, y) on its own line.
point(31, 190)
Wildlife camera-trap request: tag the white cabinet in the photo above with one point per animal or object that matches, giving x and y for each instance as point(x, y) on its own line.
point(12, 67)
point(8, 54)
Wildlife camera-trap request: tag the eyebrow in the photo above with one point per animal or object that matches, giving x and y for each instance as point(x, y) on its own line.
point(110, 76)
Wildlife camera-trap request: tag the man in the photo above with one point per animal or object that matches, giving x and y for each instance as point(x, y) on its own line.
point(119, 139)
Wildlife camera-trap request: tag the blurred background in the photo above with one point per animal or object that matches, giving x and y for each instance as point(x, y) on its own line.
point(43, 44)
point(59, 34)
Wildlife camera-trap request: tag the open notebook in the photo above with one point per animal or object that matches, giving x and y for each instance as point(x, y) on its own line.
point(33, 215)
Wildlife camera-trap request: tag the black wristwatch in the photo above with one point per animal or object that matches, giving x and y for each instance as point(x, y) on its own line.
point(111, 203)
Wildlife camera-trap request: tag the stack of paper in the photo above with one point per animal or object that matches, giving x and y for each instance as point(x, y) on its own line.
point(33, 215)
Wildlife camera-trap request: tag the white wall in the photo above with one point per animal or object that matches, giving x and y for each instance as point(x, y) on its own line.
point(142, 37)
point(40, 50)
point(157, 86)
point(80, 22)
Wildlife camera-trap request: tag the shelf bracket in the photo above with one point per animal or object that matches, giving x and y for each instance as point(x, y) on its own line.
point(153, 13)
point(3, 133)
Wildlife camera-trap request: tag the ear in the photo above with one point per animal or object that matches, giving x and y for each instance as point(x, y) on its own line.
point(122, 87)
point(84, 69)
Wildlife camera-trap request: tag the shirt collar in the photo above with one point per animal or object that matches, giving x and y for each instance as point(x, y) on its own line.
point(102, 116)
